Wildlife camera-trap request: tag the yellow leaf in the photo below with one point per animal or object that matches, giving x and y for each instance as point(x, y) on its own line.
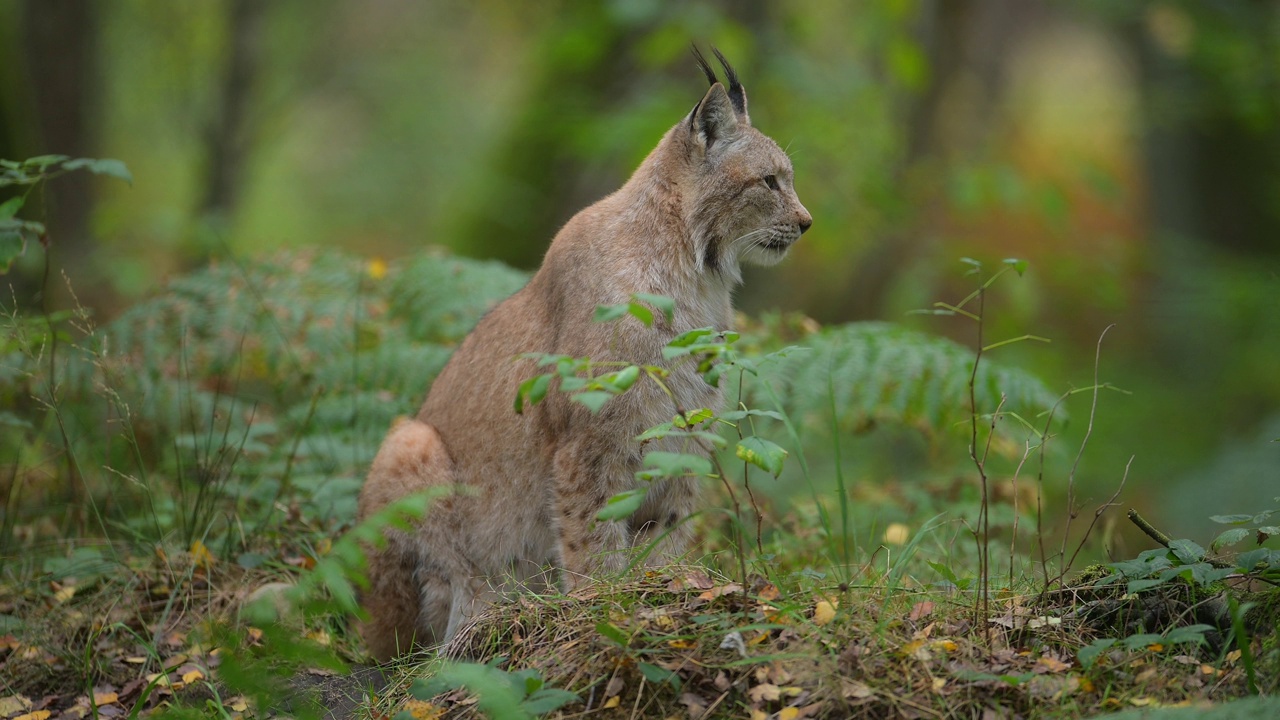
point(1053, 664)
point(1155, 647)
point(238, 704)
point(191, 676)
point(13, 705)
point(105, 698)
point(377, 268)
point(896, 534)
point(422, 710)
point(1141, 701)
point(201, 555)
point(764, 692)
point(1086, 685)
point(37, 715)
point(135, 660)
point(682, 644)
point(613, 702)
point(945, 645)
point(852, 689)
point(823, 612)
point(789, 713)
point(939, 683)
point(324, 546)
point(759, 714)
point(64, 593)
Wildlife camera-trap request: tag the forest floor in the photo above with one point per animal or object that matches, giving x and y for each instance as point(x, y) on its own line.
point(168, 632)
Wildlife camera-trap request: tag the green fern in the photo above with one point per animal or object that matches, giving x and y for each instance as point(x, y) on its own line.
point(881, 373)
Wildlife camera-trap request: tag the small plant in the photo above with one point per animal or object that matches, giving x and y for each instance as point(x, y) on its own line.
point(15, 232)
point(502, 695)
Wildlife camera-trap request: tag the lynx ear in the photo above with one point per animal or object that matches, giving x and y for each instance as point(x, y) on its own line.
point(714, 119)
point(736, 92)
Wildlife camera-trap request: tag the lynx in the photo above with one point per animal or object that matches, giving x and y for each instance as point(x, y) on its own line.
point(713, 194)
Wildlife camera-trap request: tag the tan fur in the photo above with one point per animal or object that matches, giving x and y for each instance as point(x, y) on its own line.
point(694, 209)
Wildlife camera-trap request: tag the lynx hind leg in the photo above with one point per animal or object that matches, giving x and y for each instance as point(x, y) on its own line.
point(661, 527)
point(407, 601)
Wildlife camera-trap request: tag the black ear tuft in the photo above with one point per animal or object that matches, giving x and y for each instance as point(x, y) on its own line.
point(704, 66)
point(736, 92)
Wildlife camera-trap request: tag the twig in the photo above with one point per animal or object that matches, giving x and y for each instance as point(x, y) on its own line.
point(1148, 528)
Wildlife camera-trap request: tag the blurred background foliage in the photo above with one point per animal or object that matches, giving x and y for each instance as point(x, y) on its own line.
point(1130, 150)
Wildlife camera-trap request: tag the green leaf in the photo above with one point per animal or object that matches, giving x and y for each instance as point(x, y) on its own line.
point(689, 337)
point(1188, 634)
point(102, 166)
point(693, 417)
point(1142, 641)
point(43, 161)
point(1228, 538)
point(613, 633)
point(625, 378)
point(664, 304)
point(669, 464)
point(532, 391)
point(592, 399)
point(12, 245)
point(1019, 265)
point(764, 454)
point(622, 505)
point(1088, 655)
point(734, 415)
point(1186, 551)
point(641, 313)
point(659, 676)
point(1231, 519)
point(10, 207)
point(545, 701)
point(1248, 561)
point(609, 313)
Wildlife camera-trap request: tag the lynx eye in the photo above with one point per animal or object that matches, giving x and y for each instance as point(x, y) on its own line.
point(771, 181)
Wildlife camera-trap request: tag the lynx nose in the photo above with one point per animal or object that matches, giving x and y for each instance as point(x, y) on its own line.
point(805, 223)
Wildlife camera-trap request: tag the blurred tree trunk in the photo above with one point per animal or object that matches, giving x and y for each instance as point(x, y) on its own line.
point(229, 136)
point(59, 47)
point(968, 44)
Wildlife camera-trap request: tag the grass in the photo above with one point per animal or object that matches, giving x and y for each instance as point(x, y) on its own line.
point(211, 441)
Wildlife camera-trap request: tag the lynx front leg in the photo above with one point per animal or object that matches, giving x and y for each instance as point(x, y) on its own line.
point(583, 484)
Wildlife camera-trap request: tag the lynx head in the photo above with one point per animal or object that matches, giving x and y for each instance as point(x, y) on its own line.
point(739, 195)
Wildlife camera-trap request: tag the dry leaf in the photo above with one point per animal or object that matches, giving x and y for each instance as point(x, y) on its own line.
point(613, 702)
point(615, 687)
point(13, 705)
point(1052, 664)
point(191, 676)
point(422, 710)
point(823, 612)
point(769, 592)
point(938, 684)
point(896, 534)
point(64, 593)
point(789, 713)
point(682, 644)
point(37, 715)
point(105, 698)
point(921, 609)
point(855, 690)
point(716, 592)
point(201, 555)
point(764, 692)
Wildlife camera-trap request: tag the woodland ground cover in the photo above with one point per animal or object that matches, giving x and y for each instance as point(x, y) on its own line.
point(209, 442)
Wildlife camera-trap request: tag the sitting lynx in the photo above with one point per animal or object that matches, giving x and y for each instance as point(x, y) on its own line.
point(714, 193)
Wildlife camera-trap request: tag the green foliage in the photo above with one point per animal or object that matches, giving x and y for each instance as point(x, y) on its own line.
point(15, 232)
point(877, 372)
point(501, 695)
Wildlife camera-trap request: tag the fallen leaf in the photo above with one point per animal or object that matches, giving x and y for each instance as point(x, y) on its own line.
point(823, 612)
point(191, 676)
point(1051, 664)
point(64, 593)
point(854, 690)
point(938, 684)
point(105, 698)
point(238, 704)
point(135, 660)
point(921, 609)
point(1141, 701)
point(695, 579)
point(37, 715)
point(615, 687)
point(757, 714)
point(769, 592)
point(613, 702)
point(422, 710)
point(789, 713)
point(13, 705)
point(764, 692)
point(694, 704)
point(682, 644)
point(716, 592)
point(1086, 685)
point(201, 555)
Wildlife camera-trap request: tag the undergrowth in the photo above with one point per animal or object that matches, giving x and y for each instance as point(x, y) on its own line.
point(180, 482)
